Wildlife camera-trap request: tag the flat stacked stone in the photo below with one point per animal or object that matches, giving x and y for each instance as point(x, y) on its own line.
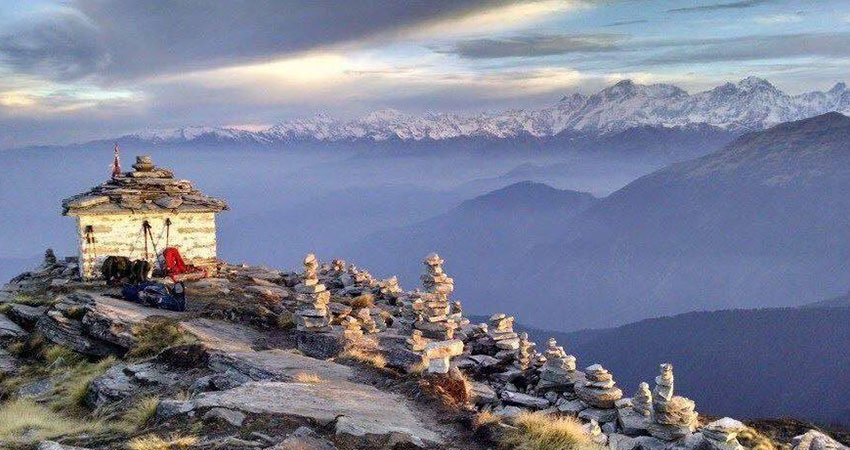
point(439, 354)
point(599, 390)
point(312, 298)
point(559, 370)
point(525, 353)
point(674, 416)
point(416, 342)
point(434, 319)
point(722, 434)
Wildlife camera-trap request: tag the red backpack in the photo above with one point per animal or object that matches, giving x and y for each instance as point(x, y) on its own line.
point(174, 264)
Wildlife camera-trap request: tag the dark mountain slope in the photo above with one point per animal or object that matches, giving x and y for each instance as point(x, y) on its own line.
point(479, 238)
point(763, 222)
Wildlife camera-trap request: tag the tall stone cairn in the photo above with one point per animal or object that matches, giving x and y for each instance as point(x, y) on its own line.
point(434, 319)
point(674, 416)
point(642, 401)
point(559, 369)
point(600, 390)
point(312, 298)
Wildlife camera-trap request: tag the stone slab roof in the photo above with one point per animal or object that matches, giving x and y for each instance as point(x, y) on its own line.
point(144, 189)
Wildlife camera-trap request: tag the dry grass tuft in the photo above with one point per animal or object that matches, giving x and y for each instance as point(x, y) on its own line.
point(451, 389)
point(485, 418)
point(307, 377)
point(138, 415)
point(752, 439)
point(156, 334)
point(535, 431)
point(154, 442)
point(359, 356)
point(24, 421)
point(363, 301)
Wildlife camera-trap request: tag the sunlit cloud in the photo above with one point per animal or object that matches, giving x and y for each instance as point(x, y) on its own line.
point(778, 19)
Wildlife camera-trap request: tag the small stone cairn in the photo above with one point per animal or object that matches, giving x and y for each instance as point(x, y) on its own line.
point(559, 369)
point(49, 258)
point(433, 320)
point(416, 342)
point(642, 401)
point(674, 416)
point(599, 391)
point(351, 329)
point(313, 299)
point(501, 331)
point(457, 314)
point(525, 353)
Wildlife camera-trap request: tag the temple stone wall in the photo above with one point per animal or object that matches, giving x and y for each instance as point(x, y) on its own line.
point(193, 233)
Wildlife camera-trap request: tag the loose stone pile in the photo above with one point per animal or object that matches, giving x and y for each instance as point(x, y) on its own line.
point(722, 434)
point(674, 416)
point(434, 321)
point(599, 390)
point(313, 298)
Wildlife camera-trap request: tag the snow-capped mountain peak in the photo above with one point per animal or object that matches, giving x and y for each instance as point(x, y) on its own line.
point(750, 104)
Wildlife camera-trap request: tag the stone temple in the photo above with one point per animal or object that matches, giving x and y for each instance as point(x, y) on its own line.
point(138, 213)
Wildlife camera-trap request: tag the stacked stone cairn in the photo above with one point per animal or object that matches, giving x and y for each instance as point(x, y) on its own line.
point(600, 390)
point(525, 353)
point(674, 416)
point(433, 320)
point(635, 414)
point(351, 328)
point(559, 371)
point(439, 354)
point(642, 401)
point(416, 342)
point(501, 331)
point(389, 289)
point(457, 314)
point(312, 298)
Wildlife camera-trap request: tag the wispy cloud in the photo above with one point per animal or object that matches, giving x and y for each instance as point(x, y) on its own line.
point(780, 19)
point(533, 45)
point(720, 6)
point(626, 22)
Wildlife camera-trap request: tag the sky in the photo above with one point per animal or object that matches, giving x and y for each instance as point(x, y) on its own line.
point(72, 71)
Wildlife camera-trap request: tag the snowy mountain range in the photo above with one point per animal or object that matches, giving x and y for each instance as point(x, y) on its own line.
point(751, 104)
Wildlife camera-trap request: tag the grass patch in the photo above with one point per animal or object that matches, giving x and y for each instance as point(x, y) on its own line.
point(155, 335)
point(306, 377)
point(535, 431)
point(140, 413)
point(71, 391)
point(30, 300)
point(154, 442)
point(359, 356)
point(19, 418)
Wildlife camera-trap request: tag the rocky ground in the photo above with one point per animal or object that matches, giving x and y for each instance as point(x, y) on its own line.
point(328, 358)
